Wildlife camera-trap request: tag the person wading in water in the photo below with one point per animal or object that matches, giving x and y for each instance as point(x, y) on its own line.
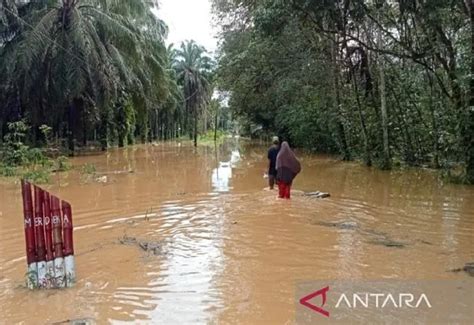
point(287, 167)
point(272, 157)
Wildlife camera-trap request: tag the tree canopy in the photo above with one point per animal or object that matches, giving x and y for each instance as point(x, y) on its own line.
point(194, 71)
point(387, 82)
point(98, 70)
point(384, 81)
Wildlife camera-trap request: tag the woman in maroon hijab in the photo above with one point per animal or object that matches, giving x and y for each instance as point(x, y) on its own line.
point(287, 167)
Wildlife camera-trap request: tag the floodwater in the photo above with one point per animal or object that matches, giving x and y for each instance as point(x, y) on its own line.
point(230, 252)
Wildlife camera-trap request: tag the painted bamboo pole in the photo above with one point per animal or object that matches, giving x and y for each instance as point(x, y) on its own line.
point(39, 236)
point(48, 240)
point(32, 271)
point(68, 244)
point(59, 271)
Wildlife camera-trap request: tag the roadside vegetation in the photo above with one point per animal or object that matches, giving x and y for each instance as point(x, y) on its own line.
point(389, 83)
point(211, 138)
point(385, 82)
point(20, 160)
point(81, 75)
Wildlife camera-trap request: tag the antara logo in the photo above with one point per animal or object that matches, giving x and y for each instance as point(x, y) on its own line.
point(366, 300)
point(319, 309)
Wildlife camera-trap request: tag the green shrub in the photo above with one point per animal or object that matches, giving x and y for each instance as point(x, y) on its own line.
point(35, 157)
point(15, 151)
point(46, 132)
point(208, 138)
point(7, 171)
point(88, 172)
point(40, 176)
point(62, 164)
point(88, 169)
point(18, 159)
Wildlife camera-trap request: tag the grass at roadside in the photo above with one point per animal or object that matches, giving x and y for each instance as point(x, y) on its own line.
point(207, 139)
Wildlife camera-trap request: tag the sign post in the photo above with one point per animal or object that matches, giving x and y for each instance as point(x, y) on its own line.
point(49, 239)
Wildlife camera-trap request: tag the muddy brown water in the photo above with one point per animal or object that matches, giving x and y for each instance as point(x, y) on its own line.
point(230, 252)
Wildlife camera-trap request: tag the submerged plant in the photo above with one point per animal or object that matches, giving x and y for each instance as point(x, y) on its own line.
point(7, 171)
point(40, 176)
point(88, 169)
point(88, 172)
point(16, 151)
point(62, 164)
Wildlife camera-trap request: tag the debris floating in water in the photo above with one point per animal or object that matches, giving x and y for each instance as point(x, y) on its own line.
point(346, 224)
point(101, 179)
point(83, 321)
point(150, 247)
point(125, 240)
point(375, 237)
point(317, 195)
point(468, 268)
point(147, 246)
point(387, 242)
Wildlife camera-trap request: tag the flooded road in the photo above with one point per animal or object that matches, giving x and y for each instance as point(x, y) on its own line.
point(230, 252)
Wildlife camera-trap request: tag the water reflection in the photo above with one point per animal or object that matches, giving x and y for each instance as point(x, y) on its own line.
point(192, 259)
point(222, 175)
point(449, 224)
point(235, 157)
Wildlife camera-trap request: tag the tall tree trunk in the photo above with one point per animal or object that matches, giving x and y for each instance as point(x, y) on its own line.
point(337, 103)
point(464, 109)
point(204, 112)
point(386, 164)
point(409, 151)
point(189, 128)
point(189, 111)
point(434, 123)
point(195, 126)
point(85, 129)
point(122, 134)
point(367, 154)
point(383, 108)
point(103, 128)
point(469, 129)
point(215, 123)
point(70, 128)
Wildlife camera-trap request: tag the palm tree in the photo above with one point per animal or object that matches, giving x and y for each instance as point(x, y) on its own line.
point(193, 67)
point(9, 24)
point(73, 54)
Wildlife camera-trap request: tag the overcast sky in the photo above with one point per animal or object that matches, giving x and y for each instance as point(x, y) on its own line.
point(189, 20)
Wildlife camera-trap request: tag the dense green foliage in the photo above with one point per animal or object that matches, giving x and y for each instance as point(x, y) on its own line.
point(383, 81)
point(18, 159)
point(97, 72)
point(387, 82)
point(194, 71)
point(68, 64)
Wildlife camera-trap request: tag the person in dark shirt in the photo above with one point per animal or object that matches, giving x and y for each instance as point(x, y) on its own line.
point(272, 157)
